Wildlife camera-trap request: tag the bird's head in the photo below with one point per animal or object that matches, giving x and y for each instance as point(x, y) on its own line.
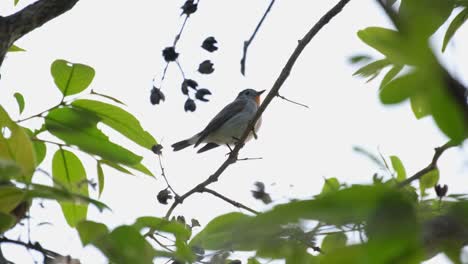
point(251, 93)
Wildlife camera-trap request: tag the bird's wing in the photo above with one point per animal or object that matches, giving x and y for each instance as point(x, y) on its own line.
point(224, 115)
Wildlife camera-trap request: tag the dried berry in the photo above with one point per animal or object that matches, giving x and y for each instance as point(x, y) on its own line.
point(163, 196)
point(209, 44)
point(441, 191)
point(190, 105)
point(201, 93)
point(188, 83)
point(206, 67)
point(195, 223)
point(157, 149)
point(189, 7)
point(156, 96)
point(170, 54)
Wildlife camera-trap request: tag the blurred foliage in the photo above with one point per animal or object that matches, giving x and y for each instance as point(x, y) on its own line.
point(424, 82)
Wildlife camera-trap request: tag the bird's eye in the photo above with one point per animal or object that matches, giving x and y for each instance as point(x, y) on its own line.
point(247, 93)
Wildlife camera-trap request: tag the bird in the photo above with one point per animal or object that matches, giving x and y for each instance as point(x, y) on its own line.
point(227, 127)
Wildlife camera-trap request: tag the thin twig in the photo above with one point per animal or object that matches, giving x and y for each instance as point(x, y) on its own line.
point(34, 246)
point(433, 165)
point(39, 114)
point(272, 94)
point(177, 37)
point(163, 173)
point(180, 68)
point(291, 101)
point(249, 41)
point(160, 243)
point(236, 204)
point(247, 159)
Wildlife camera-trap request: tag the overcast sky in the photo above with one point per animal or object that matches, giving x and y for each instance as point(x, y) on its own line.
point(123, 40)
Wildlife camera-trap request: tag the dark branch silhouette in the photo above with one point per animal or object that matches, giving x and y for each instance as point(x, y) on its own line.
point(29, 18)
point(232, 158)
point(236, 204)
point(34, 246)
point(249, 41)
point(433, 165)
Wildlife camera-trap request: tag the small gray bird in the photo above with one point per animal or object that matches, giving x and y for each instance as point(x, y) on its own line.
point(227, 126)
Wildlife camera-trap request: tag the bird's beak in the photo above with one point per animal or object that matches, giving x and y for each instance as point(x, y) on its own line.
point(260, 92)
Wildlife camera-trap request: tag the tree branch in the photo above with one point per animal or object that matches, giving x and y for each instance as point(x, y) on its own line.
point(236, 204)
point(433, 165)
point(249, 41)
point(272, 94)
point(29, 18)
point(36, 246)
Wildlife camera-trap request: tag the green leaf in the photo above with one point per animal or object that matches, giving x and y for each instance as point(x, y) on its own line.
point(218, 232)
point(236, 231)
point(20, 100)
point(420, 105)
point(350, 205)
point(14, 48)
point(90, 231)
point(429, 180)
point(71, 78)
point(115, 166)
point(299, 254)
point(68, 171)
point(333, 241)
point(423, 17)
point(7, 221)
point(371, 156)
point(16, 2)
point(179, 230)
point(100, 174)
point(372, 69)
point(141, 168)
point(447, 114)
point(400, 88)
point(119, 119)
point(61, 195)
point(15, 145)
point(359, 58)
point(79, 128)
point(9, 170)
point(388, 42)
point(398, 167)
point(330, 185)
point(126, 245)
point(456, 23)
point(10, 197)
point(391, 74)
point(253, 261)
point(108, 97)
point(40, 148)
point(183, 252)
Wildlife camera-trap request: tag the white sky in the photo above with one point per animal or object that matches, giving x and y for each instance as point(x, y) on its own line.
point(123, 40)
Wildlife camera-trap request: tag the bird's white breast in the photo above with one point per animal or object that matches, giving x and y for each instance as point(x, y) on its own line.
point(233, 129)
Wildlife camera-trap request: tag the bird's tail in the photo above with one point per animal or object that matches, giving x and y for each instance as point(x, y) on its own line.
point(184, 143)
